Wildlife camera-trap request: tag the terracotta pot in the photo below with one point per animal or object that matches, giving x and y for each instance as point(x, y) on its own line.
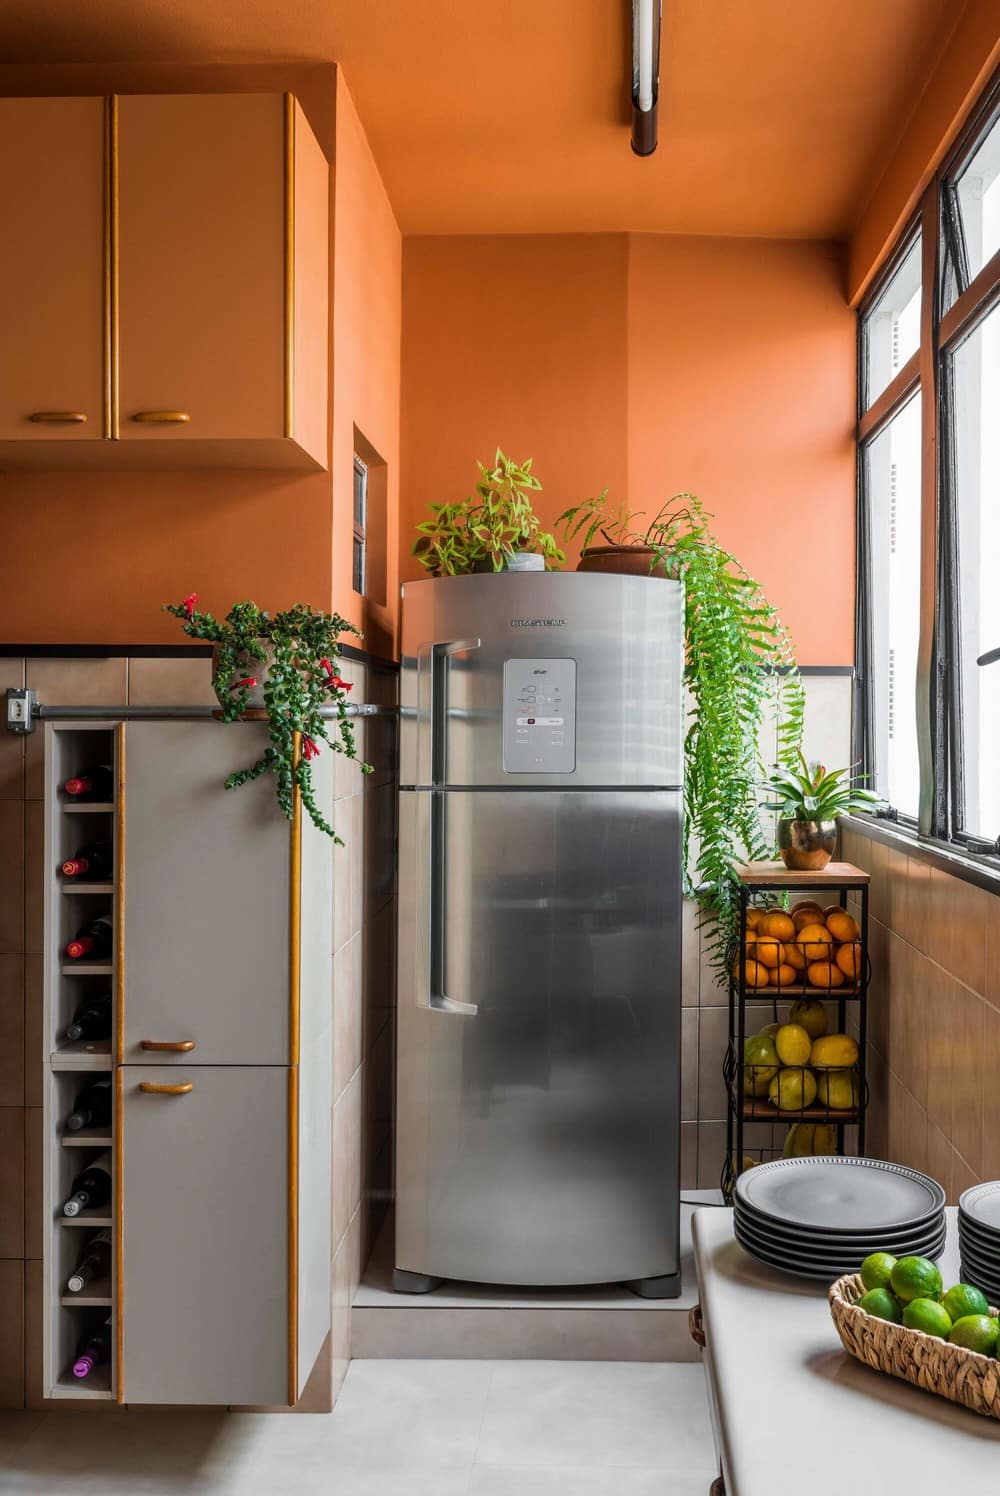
point(806, 846)
point(259, 669)
point(625, 560)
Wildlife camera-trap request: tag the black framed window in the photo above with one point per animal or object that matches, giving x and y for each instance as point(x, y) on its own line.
point(359, 565)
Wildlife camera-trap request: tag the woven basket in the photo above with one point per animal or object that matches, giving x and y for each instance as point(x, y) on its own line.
point(946, 1370)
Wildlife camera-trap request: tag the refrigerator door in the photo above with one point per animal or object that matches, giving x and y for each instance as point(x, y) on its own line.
point(539, 1029)
point(546, 679)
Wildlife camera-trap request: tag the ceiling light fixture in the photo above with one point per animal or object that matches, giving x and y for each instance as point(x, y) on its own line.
point(645, 74)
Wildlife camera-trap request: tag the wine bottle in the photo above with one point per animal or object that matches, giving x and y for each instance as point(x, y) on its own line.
point(92, 784)
point(92, 1107)
point(94, 861)
point(95, 1263)
point(91, 1187)
point(92, 940)
point(94, 1350)
point(92, 1019)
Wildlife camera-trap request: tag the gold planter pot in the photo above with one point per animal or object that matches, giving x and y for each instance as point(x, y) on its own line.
point(806, 846)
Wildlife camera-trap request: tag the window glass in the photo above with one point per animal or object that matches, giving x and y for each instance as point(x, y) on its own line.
point(976, 383)
point(892, 489)
point(975, 210)
point(359, 564)
point(892, 327)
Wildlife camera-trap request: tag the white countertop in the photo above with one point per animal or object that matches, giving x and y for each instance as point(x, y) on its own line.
point(798, 1416)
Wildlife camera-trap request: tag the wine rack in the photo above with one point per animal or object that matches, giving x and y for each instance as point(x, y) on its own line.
point(71, 1064)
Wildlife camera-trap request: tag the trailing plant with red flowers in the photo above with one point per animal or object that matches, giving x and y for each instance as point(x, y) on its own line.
point(290, 657)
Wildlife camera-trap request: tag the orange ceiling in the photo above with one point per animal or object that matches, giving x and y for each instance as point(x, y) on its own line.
point(776, 116)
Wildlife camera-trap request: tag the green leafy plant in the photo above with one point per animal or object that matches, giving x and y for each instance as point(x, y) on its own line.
point(811, 792)
point(487, 527)
point(295, 652)
point(738, 657)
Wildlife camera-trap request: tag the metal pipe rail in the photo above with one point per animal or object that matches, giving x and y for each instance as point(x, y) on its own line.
point(24, 710)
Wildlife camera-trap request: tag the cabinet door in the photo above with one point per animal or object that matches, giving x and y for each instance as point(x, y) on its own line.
point(204, 1236)
point(52, 269)
point(201, 266)
point(207, 898)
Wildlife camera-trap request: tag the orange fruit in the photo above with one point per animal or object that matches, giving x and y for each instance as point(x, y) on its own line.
point(779, 925)
point(754, 974)
point(784, 975)
point(754, 917)
point(806, 914)
point(767, 950)
point(792, 956)
point(814, 942)
point(848, 958)
point(751, 937)
point(824, 974)
point(842, 926)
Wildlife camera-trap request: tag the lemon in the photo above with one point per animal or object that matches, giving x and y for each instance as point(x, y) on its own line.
point(793, 1044)
point(833, 1052)
point(915, 1278)
point(771, 1029)
point(760, 1063)
point(930, 1317)
point(876, 1270)
point(799, 1142)
point(811, 1015)
point(824, 1138)
point(977, 1332)
point(793, 1089)
point(840, 1090)
point(963, 1300)
point(880, 1303)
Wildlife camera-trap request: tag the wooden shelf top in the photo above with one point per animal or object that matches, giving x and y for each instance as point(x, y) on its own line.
point(87, 969)
point(780, 994)
point(82, 1054)
point(87, 1137)
point(776, 875)
point(96, 1295)
point(90, 808)
point(86, 1218)
point(73, 885)
point(762, 1110)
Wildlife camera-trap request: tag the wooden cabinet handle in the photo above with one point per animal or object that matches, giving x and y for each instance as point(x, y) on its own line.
point(152, 1089)
point(58, 417)
point(696, 1325)
point(162, 417)
point(170, 1046)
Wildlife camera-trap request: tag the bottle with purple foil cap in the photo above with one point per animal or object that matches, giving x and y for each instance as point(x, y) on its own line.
point(94, 1351)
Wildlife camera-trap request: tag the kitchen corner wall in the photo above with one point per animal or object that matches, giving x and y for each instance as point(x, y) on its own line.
point(362, 992)
point(934, 1028)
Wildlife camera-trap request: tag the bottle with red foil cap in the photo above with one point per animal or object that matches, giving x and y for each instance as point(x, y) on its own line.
point(92, 784)
point(93, 940)
point(94, 1350)
point(94, 862)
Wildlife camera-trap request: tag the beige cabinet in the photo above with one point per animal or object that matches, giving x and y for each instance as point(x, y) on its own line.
point(52, 258)
point(167, 280)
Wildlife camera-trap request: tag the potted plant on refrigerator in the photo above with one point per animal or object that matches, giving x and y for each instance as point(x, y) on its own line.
point(284, 666)
point(737, 649)
point(494, 529)
point(808, 799)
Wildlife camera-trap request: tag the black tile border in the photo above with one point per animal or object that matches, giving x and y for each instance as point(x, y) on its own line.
point(982, 872)
point(157, 652)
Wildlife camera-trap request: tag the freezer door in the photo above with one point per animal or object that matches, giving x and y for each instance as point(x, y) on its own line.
point(539, 1019)
point(567, 679)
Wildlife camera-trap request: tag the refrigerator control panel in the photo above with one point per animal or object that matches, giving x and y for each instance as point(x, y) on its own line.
point(539, 716)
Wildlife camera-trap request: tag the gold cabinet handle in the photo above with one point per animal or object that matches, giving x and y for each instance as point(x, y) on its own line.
point(152, 1089)
point(162, 417)
point(171, 1046)
point(58, 417)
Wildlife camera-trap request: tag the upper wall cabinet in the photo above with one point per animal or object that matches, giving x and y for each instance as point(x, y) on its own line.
point(167, 279)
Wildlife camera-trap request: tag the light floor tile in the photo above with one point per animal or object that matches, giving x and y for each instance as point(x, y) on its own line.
point(409, 1414)
point(575, 1480)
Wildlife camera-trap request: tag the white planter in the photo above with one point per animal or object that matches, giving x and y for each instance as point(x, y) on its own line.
point(259, 669)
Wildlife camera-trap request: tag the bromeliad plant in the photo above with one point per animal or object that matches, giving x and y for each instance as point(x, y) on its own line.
point(738, 658)
point(811, 792)
point(483, 532)
point(293, 655)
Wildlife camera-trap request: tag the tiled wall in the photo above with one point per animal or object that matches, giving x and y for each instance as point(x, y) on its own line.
point(362, 922)
point(934, 1051)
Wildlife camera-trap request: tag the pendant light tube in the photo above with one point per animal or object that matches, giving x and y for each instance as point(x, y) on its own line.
point(645, 74)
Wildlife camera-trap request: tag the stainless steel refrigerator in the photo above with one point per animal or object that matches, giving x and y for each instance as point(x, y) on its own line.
point(538, 1058)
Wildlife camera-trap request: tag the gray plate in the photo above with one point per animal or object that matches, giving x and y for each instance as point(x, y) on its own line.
point(819, 1271)
point(989, 1262)
point(837, 1261)
point(898, 1240)
point(844, 1196)
point(985, 1240)
point(981, 1204)
point(989, 1286)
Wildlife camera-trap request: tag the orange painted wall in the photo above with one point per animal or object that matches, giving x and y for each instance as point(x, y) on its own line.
point(89, 557)
point(963, 60)
point(647, 364)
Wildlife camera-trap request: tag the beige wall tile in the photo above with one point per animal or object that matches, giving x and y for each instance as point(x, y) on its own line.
point(967, 1075)
point(34, 879)
point(993, 949)
point(184, 681)
point(877, 1118)
point(990, 1161)
point(62, 682)
point(11, 1335)
point(34, 1164)
point(689, 1064)
point(12, 1030)
point(690, 954)
point(940, 1042)
point(355, 1095)
point(34, 1058)
point(347, 1025)
point(915, 1125)
point(896, 1142)
point(962, 1176)
point(940, 1155)
point(12, 877)
point(713, 1037)
point(968, 906)
point(918, 890)
point(689, 1155)
point(711, 1154)
point(911, 1053)
point(343, 874)
point(11, 744)
point(896, 883)
point(874, 858)
point(342, 1167)
point(12, 1182)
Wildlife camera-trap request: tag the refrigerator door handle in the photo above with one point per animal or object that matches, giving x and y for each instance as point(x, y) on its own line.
point(431, 895)
point(432, 705)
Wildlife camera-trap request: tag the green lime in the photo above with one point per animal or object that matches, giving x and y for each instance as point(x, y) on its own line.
point(876, 1270)
point(963, 1300)
point(977, 1332)
point(927, 1315)
point(915, 1278)
point(880, 1303)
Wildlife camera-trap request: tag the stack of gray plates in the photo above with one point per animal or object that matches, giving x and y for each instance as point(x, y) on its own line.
point(821, 1217)
point(979, 1238)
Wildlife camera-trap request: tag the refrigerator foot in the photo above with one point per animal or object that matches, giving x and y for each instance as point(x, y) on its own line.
point(404, 1282)
point(667, 1287)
